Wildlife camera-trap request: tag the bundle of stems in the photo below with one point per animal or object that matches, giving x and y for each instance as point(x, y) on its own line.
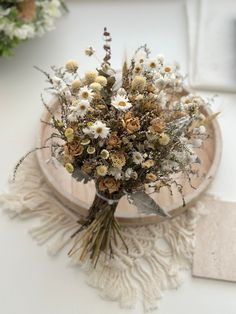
point(99, 232)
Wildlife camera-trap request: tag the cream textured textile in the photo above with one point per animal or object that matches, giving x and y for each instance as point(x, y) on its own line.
point(157, 253)
point(212, 44)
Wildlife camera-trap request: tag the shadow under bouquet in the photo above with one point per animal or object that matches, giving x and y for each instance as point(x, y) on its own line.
point(131, 132)
point(25, 19)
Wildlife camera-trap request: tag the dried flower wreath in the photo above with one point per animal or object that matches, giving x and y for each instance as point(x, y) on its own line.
point(24, 19)
point(127, 134)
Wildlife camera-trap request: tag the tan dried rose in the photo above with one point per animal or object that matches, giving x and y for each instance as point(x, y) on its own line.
point(128, 115)
point(109, 184)
point(151, 88)
point(87, 167)
point(157, 125)
point(118, 160)
point(113, 140)
point(74, 148)
point(148, 163)
point(132, 125)
point(151, 177)
point(150, 105)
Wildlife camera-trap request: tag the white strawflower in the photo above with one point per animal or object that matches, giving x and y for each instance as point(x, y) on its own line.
point(121, 103)
point(152, 64)
point(86, 93)
point(137, 158)
point(99, 129)
point(116, 173)
point(80, 107)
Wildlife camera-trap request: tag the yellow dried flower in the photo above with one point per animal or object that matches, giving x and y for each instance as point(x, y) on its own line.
point(139, 97)
point(104, 154)
point(91, 150)
point(69, 167)
point(96, 86)
point(109, 184)
point(164, 139)
point(76, 84)
point(71, 66)
point(85, 141)
point(157, 125)
point(91, 76)
point(151, 177)
point(87, 167)
point(102, 170)
point(69, 134)
point(148, 163)
point(113, 140)
point(118, 160)
point(60, 123)
point(132, 125)
point(101, 80)
point(138, 83)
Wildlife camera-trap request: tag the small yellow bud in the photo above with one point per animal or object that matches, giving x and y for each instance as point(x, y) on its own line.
point(71, 66)
point(76, 84)
point(69, 132)
point(104, 154)
point(138, 83)
point(151, 177)
point(101, 80)
point(91, 76)
point(69, 167)
point(85, 141)
point(96, 86)
point(91, 150)
point(164, 139)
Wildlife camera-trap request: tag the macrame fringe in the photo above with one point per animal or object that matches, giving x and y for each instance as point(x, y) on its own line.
point(157, 253)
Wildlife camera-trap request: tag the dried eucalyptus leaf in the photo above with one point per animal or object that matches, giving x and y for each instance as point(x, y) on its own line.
point(147, 205)
point(80, 176)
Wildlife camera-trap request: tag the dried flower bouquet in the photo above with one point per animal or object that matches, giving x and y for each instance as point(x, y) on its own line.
point(128, 134)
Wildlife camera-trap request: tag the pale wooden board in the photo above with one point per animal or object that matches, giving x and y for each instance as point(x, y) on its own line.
point(215, 251)
point(78, 196)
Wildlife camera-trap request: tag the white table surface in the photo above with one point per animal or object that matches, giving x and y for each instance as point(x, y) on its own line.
point(31, 281)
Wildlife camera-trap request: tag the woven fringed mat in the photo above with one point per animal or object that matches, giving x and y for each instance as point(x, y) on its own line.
point(157, 253)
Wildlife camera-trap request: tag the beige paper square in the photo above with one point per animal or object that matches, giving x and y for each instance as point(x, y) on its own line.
point(215, 251)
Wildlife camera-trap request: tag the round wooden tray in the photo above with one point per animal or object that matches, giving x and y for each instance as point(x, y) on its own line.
point(78, 196)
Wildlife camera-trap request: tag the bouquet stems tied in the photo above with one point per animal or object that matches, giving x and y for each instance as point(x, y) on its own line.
point(101, 231)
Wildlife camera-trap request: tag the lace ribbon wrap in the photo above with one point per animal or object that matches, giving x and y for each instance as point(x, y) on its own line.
point(157, 253)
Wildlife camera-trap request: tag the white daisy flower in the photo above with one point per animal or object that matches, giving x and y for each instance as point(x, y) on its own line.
point(86, 93)
point(81, 107)
point(137, 158)
point(121, 103)
point(140, 56)
point(100, 129)
point(152, 64)
point(116, 173)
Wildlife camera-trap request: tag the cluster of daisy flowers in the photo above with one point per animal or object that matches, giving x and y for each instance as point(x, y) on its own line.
point(126, 133)
point(24, 19)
